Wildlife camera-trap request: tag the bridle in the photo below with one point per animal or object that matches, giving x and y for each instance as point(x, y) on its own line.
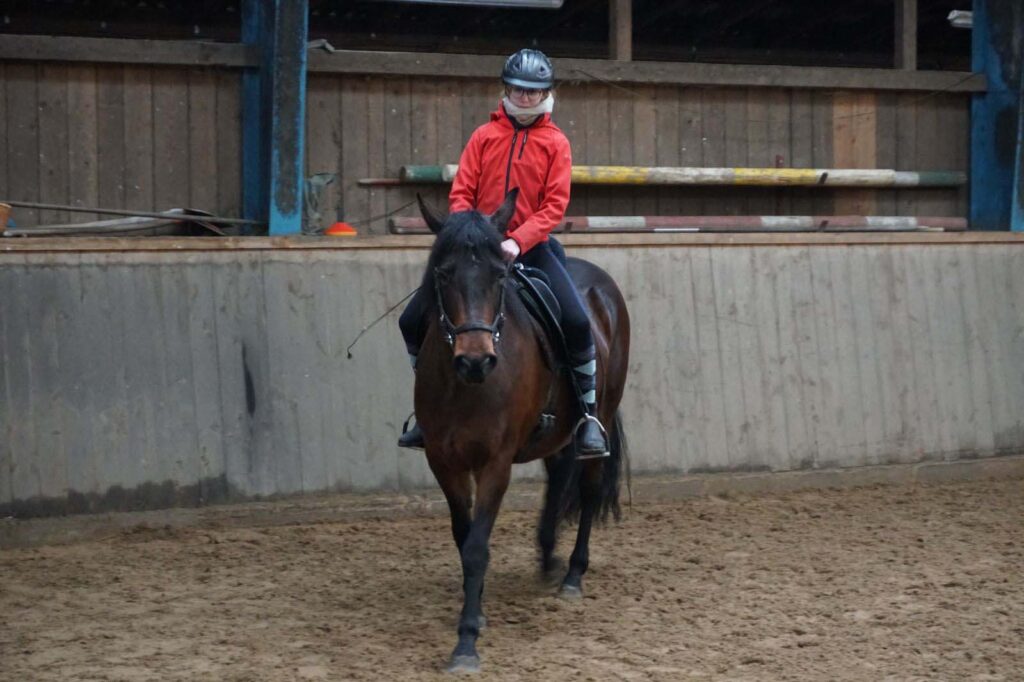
point(450, 331)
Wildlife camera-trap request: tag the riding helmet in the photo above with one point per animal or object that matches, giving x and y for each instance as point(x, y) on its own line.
point(529, 69)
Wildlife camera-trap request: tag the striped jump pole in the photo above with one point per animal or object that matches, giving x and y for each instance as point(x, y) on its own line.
point(761, 177)
point(731, 223)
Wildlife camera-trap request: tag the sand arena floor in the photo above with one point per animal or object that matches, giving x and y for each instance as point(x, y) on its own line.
point(899, 582)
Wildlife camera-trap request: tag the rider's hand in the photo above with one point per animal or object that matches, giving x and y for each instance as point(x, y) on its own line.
point(510, 249)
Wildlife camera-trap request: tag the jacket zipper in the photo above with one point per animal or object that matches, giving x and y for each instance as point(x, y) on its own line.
point(511, 153)
point(526, 136)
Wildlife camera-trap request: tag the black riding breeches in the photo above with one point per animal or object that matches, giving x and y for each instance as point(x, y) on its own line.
point(544, 256)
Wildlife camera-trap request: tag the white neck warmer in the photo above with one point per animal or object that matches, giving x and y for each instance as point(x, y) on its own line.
point(525, 115)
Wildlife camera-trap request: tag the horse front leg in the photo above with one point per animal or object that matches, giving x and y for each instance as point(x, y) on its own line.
point(491, 484)
point(590, 499)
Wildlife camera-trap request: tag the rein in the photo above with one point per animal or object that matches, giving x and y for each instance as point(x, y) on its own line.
point(494, 328)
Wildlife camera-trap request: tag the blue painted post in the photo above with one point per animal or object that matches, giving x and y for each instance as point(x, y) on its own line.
point(994, 116)
point(255, 140)
point(1017, 215)
point(274, 113)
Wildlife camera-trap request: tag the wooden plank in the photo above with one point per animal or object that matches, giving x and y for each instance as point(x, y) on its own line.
point(689, 149)
point(376, 164)
point(770, 359)
point(979, 389)
point(620, 29)
point(803, 376)
point(425, 122)
point(598, 145)
point(449, 132)
point(647, 138)
point(1002, 343)
point(621, 145)
point(854, 138)
point(737, 147)
point(355, 142)
point(713, 102)
point(53, 140)
point(945, 119)
point(229, 144)
point(716, 409)
point(760, 200)
point(75, 405)
point(730, 314)
point(779, 146)
point(138, 138)
point(822, 154)
point(852, 402)
point(25, 475)
point(323, 140)
point(401, 200)
point(885, 146)
point(125, 51)
point(5, 189)
point(905, 38)
point(889, 355)
point(7, 417)
point(959, 123)
point(906, 149)
point(570, 116)
point(170, 139)
point(110, 136)
point(830, 389)
point(801, 133)
point(201, 121)
point(931, 154)
point(44, 341)
point(199, 303)
point(83, 142)
point(394, 64)
point(665, 141)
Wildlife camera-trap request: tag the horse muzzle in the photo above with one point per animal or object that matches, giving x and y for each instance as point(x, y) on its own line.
point(474, 368)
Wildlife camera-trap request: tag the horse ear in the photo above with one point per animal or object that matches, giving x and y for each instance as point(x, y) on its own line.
point(435, 221)
point(505, 212)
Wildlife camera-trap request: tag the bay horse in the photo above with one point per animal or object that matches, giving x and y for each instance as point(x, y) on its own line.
point(484, 376)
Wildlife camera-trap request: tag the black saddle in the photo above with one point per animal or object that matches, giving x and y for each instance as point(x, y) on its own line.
point(534, 290)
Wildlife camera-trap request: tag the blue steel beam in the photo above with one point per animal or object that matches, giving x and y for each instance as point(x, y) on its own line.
point(274, 113)
point(1017, 215)
point(996, 34)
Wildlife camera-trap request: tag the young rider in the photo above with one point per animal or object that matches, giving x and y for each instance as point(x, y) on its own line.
point(521, 147)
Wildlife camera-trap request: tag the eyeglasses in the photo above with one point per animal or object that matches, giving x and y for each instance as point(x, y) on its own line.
point(526, 93)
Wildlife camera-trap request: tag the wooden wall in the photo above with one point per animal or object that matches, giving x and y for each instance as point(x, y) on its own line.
point(370, 127)
point(158, 137)
point(149, 378)
point(137, 137)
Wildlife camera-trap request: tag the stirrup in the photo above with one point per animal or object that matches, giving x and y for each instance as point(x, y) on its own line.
point(597, 455)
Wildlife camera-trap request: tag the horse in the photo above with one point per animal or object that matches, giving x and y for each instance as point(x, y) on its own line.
point(484, 377)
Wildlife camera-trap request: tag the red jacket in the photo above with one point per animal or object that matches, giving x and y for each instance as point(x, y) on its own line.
point(498, 158)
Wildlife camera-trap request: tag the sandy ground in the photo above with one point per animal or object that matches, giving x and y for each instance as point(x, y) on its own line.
point(900, 583)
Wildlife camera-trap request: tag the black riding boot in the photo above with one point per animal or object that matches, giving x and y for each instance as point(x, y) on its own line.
point(589, 436)
point(411, 438)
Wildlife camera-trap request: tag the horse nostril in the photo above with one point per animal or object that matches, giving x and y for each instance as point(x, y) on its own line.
point(488, 363)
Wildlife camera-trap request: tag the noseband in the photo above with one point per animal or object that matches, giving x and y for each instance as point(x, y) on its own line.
point(451, 331)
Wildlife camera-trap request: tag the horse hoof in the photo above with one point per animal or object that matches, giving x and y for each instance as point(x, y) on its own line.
point(464, 664)
point(570, 593)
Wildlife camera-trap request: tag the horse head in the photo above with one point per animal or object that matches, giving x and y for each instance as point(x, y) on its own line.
point(467, 274)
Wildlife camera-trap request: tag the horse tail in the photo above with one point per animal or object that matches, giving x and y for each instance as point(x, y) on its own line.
point(566, 476)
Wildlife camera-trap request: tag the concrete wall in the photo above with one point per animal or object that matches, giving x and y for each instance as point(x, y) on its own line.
point(168, 376)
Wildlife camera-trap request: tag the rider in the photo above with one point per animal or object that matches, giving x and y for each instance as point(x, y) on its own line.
point(521, 147)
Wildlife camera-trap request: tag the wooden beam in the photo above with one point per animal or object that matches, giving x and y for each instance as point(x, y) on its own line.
point(398, 64)
point(667, 73)
point(620, 29)
point(124, 51)
point(906, 35)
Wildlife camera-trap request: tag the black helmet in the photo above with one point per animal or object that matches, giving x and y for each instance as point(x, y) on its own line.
point(529, 69)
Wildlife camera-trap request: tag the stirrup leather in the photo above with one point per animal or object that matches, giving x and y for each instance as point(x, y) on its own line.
point(583, 420)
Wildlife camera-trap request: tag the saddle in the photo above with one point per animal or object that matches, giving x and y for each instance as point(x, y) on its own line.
point(533, 288)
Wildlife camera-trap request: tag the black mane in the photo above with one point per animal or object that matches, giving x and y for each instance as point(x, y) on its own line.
point(466, 234)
